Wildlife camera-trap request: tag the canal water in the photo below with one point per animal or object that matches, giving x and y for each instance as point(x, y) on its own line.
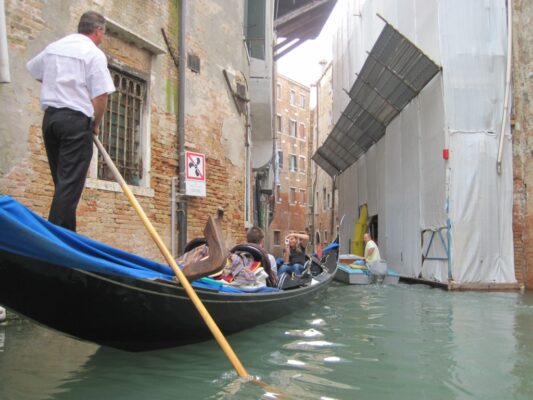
point(360, 342)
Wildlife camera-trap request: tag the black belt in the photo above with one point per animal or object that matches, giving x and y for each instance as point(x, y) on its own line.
point(53, 110)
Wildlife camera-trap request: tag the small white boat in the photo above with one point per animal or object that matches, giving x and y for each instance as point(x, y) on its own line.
point(348, 271)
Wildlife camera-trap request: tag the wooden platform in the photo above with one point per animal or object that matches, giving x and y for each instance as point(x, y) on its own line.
point(454, 286)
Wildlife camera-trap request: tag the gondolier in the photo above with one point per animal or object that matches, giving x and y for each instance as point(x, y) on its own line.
point(75, 86)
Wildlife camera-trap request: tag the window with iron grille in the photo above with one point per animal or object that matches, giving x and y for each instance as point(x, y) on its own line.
point(121, 128)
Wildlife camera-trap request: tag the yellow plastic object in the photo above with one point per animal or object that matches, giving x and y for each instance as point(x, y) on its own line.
point(358, 245)
point(355, 266)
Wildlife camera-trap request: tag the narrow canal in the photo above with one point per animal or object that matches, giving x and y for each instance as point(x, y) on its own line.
point(371, 342)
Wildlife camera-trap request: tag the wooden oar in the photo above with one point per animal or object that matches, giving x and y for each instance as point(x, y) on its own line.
point(172, 263)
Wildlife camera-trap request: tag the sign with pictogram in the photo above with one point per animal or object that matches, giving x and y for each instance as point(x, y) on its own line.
point(195, 174)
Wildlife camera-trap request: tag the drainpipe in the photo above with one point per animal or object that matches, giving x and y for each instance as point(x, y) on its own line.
point(313, 185)
point(507, 83)
point(173, 212)
point(182, 203)
point(248, 166)
point(5, 77)
point(333, 188)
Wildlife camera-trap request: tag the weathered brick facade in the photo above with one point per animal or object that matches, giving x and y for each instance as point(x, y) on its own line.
point(291, 216)
point(325, 206)
point(522, 118)
point(213, 125)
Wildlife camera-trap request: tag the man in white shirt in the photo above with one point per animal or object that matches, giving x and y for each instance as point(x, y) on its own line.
point(371, 249)
point(75, 86)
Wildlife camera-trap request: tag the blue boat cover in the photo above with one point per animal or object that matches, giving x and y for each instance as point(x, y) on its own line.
point(25, 233)
point(329, 247)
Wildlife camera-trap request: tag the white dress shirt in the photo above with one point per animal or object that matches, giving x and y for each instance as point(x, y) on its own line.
point(73, 71)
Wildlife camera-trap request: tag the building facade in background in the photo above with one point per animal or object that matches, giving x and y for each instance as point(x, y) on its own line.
point(324, 221)
point(293, 135)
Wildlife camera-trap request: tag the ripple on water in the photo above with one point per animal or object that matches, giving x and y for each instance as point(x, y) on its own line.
point(308, 345)
point(309, 333)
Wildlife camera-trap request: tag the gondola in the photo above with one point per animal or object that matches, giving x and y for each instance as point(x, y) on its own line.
point(97, 293)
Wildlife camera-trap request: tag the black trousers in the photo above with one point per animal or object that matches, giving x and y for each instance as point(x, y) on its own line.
point(69, 146)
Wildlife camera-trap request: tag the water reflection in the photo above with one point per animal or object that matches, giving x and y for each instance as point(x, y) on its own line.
point(397, 342)
point(34, 361)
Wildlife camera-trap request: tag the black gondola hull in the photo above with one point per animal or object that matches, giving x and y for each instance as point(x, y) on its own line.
point(133, 314)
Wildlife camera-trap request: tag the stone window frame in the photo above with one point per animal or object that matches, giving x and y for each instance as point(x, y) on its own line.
point(300, 126)
point(293, 162)
point(302, 197)
point(143, 189)
point(301, 100)
point(153, 49)
point(293, 128)
point(279, 123)
point(304, 169)
point(277, 237)
point(292, 98)
point(292, 196)
point(278, 193)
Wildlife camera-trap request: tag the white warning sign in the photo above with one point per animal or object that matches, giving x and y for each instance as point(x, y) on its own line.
point(195, 176)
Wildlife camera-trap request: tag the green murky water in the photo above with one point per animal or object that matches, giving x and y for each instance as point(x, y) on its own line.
point(371, 342)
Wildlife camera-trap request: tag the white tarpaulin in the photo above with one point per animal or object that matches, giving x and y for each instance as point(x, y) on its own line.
point(438, 219)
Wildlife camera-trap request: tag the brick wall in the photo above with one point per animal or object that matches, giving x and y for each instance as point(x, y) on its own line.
point(291, 217)
point(522, 117)
point(326, 218)
point(102, 213)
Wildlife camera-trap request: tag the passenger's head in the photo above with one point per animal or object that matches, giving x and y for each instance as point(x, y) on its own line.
point(92, 24)
point(255, 235)
point(293, 241)
point(367, 237)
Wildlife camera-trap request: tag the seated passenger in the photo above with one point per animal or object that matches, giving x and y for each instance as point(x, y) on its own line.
point(243, 271)
point(294, 254)
point(256, 236)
